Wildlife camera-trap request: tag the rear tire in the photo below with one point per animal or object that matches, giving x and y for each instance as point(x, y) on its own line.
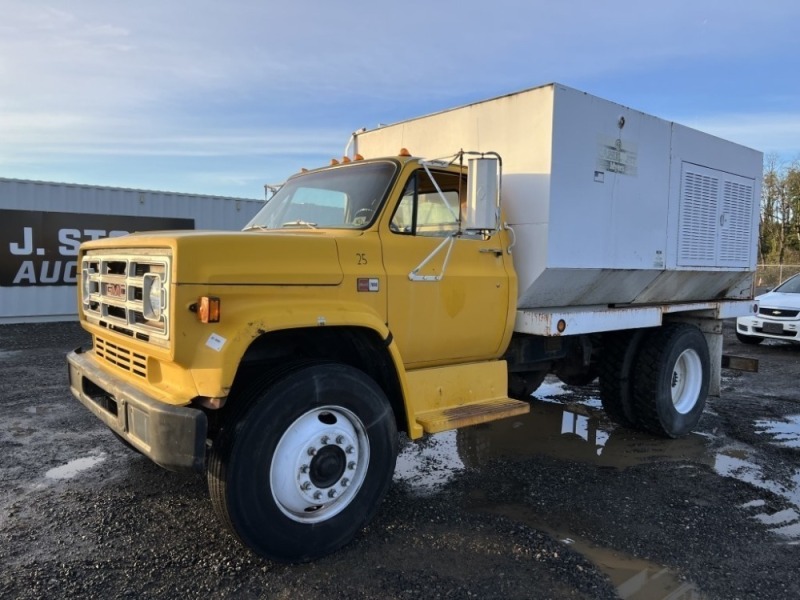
point(522, 384)
point(303, 462)
point(671, 380)
point(577, 379)
point(616, 382)
point(749, 339)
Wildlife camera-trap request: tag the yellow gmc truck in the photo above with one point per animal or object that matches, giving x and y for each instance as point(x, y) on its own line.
point(547, 231)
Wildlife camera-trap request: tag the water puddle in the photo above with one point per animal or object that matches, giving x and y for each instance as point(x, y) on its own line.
point(567, 426)
point(783, 433)
point(634, 578)
point(573, 433)
point(736, 462)
point(74, 467)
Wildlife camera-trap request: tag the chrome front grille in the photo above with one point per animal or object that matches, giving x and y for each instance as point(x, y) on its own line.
point(133, 362)
point(128, 294)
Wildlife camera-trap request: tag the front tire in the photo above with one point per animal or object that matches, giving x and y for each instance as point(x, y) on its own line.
point(303, 462)
point(671, 380)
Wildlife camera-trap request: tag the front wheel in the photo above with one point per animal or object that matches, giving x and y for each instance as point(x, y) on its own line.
point(671, 380)
point(304, 461)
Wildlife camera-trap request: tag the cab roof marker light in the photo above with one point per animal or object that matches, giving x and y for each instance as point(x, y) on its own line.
point(404, 152)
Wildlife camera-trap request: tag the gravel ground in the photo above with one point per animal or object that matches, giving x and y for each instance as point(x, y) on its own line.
point(558, 504)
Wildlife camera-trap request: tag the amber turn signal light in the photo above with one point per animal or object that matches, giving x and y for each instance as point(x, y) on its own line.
point(208, 309)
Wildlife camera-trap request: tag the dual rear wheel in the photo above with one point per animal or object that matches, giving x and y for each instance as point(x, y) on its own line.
point(656, 380)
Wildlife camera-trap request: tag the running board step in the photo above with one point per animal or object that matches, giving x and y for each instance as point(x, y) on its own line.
point(454, 417)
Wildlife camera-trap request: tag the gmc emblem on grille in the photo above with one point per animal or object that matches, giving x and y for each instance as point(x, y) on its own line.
point(115, 290)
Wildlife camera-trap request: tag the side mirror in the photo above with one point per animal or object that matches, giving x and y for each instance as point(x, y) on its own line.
point(483, 195)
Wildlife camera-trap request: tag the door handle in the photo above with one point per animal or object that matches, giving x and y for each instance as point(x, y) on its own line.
point(495, 251)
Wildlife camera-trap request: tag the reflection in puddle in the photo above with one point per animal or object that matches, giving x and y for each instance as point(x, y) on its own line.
point(551, 388)
point(568, 434)
point(730, 463)
point(784, 433)
point(73, 467)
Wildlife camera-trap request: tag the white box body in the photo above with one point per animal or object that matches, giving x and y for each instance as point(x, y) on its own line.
point(610, 206)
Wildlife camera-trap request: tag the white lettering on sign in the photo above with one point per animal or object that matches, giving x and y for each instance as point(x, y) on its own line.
point(70, 239)
point(49, 272)
point(27, 243)
point(41, 247)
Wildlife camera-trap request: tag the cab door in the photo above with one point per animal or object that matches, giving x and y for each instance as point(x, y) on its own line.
point(450, 295)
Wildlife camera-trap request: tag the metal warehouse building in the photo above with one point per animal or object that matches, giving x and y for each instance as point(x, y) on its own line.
point(42, 225)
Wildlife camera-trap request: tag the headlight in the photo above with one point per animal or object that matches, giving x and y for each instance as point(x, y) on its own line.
point(86, 286)
point(152, 297)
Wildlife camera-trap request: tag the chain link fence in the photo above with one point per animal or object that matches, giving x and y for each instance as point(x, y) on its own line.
point(769, 276)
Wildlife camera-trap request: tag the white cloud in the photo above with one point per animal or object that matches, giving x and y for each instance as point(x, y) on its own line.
point(203, 78)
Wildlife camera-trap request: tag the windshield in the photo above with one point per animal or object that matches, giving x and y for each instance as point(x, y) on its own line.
point(343, 197)
point(790, 286)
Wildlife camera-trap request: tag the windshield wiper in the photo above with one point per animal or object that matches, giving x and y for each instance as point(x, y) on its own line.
point(300, 223)
point(259, 227)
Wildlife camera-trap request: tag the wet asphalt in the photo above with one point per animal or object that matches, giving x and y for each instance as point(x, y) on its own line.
point(560, 503)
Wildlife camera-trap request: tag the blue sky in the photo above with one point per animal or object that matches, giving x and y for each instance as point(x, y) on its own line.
point(222, 97)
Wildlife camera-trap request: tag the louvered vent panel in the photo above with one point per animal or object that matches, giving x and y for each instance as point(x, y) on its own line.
point(697, 237)
point(735, 234)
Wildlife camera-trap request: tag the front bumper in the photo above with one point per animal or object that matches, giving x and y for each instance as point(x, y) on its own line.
point(173, 437)
point(787, 330)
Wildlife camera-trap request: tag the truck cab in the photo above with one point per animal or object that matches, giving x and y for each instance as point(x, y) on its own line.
point(360, 281)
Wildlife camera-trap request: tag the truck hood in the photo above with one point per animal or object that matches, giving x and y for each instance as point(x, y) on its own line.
point(237, 258)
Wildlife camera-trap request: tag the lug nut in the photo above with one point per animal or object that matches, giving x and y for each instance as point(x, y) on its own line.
point(345, 481)
point(340, 439)
point(317, 495)
point(351, 465)
point(349, 449)
point(306, 486)
point(304, 468)
point(312, 451)
point(331, 493)
point(324, 440)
